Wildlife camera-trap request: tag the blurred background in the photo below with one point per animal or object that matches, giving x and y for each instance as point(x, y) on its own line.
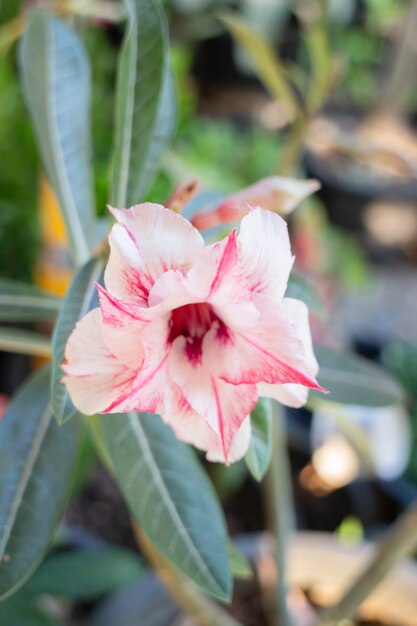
point(317, 89)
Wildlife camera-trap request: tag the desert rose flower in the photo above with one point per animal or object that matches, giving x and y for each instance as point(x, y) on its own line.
point(194, 333)
point(275, 193)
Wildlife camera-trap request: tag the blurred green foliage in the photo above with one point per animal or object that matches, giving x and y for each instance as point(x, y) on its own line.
point(18, 179)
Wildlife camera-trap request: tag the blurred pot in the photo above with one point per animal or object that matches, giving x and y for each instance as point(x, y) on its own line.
point(368, 171)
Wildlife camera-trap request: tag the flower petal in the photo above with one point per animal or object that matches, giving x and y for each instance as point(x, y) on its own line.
point(93, 376)
point(224, 406)
point(265, 253)
point(219, 280)
point(280, 195)
point(276, 351)
point(165, 240)
point(289, 395)
point(153, 389)
point(125, 276)
point(275, 193)
point(122, 329)
point(191, 428)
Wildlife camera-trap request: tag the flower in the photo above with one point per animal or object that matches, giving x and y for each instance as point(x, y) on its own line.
point(274, 193)
point(194, 333)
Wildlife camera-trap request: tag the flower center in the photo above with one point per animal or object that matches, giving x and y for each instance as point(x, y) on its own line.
point(192, 321)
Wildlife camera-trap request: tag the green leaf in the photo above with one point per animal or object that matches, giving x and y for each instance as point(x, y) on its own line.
point(24, 342)
point(20, 302)
point(86, 574)
point(145, 104)
point(37, 459)
point(258, 457)
point(300, 289)
point(171, 497)
point(81, 298)
point(351, 379)
point(22, 610)
point(56, 81)
point(268, 66)
point(239, 564)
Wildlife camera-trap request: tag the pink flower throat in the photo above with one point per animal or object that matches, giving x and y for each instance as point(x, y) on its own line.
point(193, 321)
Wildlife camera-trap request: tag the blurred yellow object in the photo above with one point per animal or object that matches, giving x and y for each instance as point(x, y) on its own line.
point(54, 269)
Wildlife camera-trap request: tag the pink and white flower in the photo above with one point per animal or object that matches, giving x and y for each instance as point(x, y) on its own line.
point(194, 333)
point(275, 193)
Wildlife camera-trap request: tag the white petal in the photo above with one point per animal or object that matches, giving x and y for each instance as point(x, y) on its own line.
point(265, 253)
point(153, 389)
point(275, 193)
point(165, 240)
point(122, 331)
point(224, 406)
point(192, 429)
point(93, 376)
point(275, 351)
point(219, 280)
point(125, 276)
point(289, 394)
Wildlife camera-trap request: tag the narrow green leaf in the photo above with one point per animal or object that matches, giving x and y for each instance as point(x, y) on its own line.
point(268, 66)
point(351, 379)
point(300, 289)
point(37, 459)
point(24, 342)
point(239, 564)
point(86, 574)
point(25, 303)
point(81, 298)
point(22, 610)
point(171, 497)
point(145, 103)
point(258, 457)
point(56, 81)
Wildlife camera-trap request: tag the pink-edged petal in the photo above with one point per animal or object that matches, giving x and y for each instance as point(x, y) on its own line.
point(219, 280)
point(153, 389)
point(122, 330)
point(224, 406)
point(298, 312)
point(192, 429)
point(125, 276)
point(93, 376)
point(239, 446)
point(280, 195)
point(276, 351)
point(171, 291)
point(265, 253)
point(290, 395)
point(277, 194)
point(165, 240)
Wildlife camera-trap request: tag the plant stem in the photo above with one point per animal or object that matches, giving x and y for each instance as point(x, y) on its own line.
point(185, 594)
point(404, 56)
point(399, 541)
point(280, 505)
point(291, 157)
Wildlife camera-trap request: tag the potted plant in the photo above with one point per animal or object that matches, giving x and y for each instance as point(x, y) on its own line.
point(163, 341)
